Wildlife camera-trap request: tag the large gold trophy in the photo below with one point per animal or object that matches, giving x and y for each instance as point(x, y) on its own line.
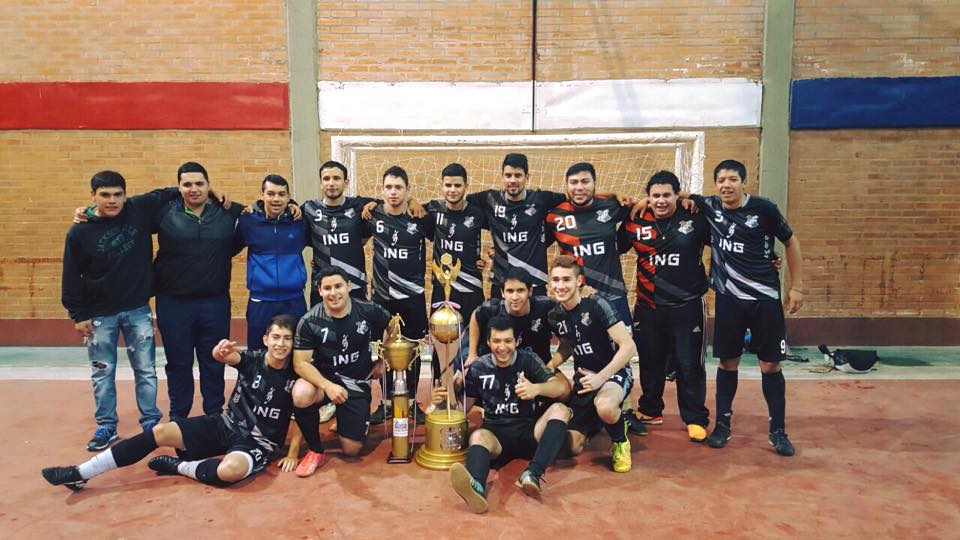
point(397, 352)
point(446, 442)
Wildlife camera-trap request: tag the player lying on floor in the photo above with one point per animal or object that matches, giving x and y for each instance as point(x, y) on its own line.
point(248, 434)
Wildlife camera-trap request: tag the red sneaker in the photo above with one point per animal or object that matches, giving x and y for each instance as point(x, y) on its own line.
point(310, 463)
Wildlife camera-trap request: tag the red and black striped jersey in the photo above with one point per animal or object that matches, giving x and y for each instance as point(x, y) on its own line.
point(589, 233)
point(670, 268)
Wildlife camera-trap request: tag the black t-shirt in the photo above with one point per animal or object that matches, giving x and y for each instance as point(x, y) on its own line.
point(669, 256)
point(742, 243)
point(261, 404)
point(457, 232)
point(589, 233)
point(337, 234)
point(341, 347)
point(399, 253)
point(532, 330)
point(517, 228)
point(495, 386)
point(585, 327)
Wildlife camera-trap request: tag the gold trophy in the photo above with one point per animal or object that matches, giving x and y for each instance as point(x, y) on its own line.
point(446, 442)
point(397, 352)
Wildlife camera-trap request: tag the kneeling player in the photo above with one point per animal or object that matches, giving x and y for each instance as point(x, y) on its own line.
point(332, 357)
point(602, 347)
point(508, 381)
point(248, 434)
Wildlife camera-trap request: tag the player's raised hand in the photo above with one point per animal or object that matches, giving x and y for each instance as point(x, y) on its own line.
point(639, 207)
point(525, 389)
point(367, 211)
point(589, 381)
point(690, 205)
point(415, 209)
point(224, 349)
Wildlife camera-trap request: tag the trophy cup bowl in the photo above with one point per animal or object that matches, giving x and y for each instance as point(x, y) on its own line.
point(446, 324)
point(399, 353)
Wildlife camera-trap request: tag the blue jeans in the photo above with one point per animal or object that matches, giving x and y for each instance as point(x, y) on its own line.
point(137, 328)
point(191, 325)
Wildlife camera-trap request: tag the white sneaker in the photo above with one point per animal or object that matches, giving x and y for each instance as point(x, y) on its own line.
point(327, 412)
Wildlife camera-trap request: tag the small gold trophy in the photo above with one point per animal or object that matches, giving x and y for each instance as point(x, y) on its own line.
point(446, 442)
point(397, 352)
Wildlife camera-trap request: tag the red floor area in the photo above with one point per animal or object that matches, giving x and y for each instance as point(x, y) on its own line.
point(875, 459)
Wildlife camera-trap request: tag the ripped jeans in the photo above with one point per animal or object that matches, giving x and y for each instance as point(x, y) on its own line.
point(137, 328)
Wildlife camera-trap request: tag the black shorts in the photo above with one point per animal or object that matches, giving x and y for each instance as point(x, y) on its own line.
point(353, 415)
point(412, 310)
point(765, 320)
point(585, 418)
point(209, 436)
point(516, 439)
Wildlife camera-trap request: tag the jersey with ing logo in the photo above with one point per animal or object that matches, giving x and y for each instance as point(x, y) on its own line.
point(399, 253)
point(669, 256)
point(457, 232)
point(741, 245)
point(260, 405)
point(585, 328)
point(589, 233)
point(531, 330)
point(342, 346)
point(517, 228)
point(496, 386)
point(337, 235)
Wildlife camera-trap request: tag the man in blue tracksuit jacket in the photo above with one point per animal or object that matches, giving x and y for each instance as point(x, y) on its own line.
point(276, 274)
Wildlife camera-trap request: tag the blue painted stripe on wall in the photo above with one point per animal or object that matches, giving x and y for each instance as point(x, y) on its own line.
point(879, 102)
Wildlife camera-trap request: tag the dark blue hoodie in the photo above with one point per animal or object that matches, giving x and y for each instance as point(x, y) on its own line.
point(275, 269)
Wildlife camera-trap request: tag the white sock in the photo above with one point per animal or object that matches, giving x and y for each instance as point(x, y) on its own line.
point(97, 465)
point(188, 468)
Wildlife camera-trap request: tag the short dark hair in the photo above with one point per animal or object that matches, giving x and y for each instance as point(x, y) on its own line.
point(275, 179)
point(581, 167)
point(332, 271)
point(518, 161)
point(666, 178)
point(398, 172)
point(730, 165)
point(567, 261)
point(286, 322)
point(192, 166)
point(517, 274)
point(454, 169)
point(104, 179)
point(500, 323)
point(336, 164)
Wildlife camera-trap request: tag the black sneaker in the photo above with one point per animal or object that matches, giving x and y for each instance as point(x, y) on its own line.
point(379, 416)
point(164, 464)
point(670, 375)
point(721, 434)
point(780, 443)
point(64, 476)
point(102, 438)
point(635, 426)
point(529, 483)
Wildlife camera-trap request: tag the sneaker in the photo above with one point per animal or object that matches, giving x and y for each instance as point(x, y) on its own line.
point(327, 412)
point(697, 433)
point(468, 488)
point(164, 464)
point(670, 376)
point(380, 415)
point(64, 476)
point(310, 463)
point(634, 425)
point(529, 483)
point(102, 438)
point(721, 434)
point(780, 443)
point(647, 419)
point(620, 455)
point(149, 425)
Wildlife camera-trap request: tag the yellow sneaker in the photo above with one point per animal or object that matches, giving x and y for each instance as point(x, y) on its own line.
point(620, 455)
point(696, 433)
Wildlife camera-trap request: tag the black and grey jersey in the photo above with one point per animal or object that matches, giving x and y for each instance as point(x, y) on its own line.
point(261, 404)
point(341, 346)
point(457, 232)
point(670, 268)
point(399, 253)
point(589, 233)
point(496, 386)
point(585, 328)
point(337, 235)
point(742, 243)
point(532, 330)
point(517, 228)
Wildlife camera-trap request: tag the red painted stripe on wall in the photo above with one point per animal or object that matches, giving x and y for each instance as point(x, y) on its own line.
point(144, 105)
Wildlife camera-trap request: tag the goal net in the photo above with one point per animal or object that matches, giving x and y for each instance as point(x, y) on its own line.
point(624, 162)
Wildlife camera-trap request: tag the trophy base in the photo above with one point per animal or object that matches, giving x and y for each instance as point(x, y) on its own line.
point(399, 459)
point(446, 442)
